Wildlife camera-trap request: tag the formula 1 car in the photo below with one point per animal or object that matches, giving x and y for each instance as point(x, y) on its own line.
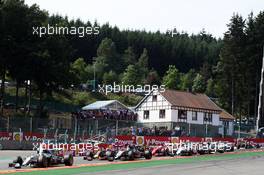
point(211, 148)
point(43, 158)
point(101, 155)
point(161, 151)
point(206, 148)
point(132, 152)
point(185, 150)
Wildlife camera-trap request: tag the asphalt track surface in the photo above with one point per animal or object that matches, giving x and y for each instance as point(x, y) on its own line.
point(246, 163)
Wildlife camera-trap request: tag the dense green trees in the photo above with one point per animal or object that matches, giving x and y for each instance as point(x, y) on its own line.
point(44, 61)
point(172, 78)
point(227, 69)
point(238, 70)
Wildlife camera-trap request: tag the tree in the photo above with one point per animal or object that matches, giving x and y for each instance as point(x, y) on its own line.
point(210, 88)
point(52, 66)
point(17, 42)
point(199, 84)
point(231, 81)
point(143, 59)
point(129, 57)
point(110, 77)
point(187, 80)
point(172, 78)
point(152, 78)
point(142, 65)
point(79, 70)
point(107, 56)
point(131, 76)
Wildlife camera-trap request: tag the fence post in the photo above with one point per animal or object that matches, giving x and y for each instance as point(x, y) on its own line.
point(65, 136)
point(45, 130)
point(96, 127)
point(20, 134)
point(31, 123)
point(8, 120)
point(56, 136)
point(116, 127)
point(75, 129)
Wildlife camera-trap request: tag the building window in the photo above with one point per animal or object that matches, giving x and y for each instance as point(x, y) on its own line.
point(182, 115)
point(208, 117)
point(226, 123)
point(146, 115)
point(162, 113)
point(194, 115)
point(154, 98)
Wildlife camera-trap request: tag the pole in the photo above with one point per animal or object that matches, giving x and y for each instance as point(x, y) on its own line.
point(65, 136)
point(75, 129)
point(239, 129)
point(29, 103)
point(232, 95)
point(260, 94)
point(20, 135)
point(94, 74)
point(189, 129)
point(116, 127)
point(8, 123)
point(56, 136)
point(96, 127)
point(31, 123)
point(206, 130)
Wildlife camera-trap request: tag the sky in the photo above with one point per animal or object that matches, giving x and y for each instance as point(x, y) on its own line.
point(151, 15)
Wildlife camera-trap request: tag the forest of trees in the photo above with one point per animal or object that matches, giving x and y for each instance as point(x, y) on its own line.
point(228, 69)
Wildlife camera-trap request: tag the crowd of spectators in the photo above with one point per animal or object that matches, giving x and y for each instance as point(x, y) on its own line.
point(144, 131)
point(126, 115)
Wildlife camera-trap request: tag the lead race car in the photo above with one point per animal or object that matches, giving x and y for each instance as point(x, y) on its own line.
point(44, 158)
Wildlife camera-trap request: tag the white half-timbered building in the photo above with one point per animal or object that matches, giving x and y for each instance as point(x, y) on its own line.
point(194, 113)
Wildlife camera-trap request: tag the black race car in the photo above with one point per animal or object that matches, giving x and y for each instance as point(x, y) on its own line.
point(132, 152)
point(101, 154)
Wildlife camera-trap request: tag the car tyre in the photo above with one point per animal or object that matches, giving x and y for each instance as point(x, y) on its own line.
point(18, 160)
point(42, 161)
point(68, 160)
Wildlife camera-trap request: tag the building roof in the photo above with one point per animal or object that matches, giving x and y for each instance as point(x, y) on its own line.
point(189, 100)
point(226, 116)
point(98, 105)
point(103, 105)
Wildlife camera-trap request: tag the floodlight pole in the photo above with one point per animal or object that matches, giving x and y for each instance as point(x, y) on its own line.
point(94, 73)
point(260, 94)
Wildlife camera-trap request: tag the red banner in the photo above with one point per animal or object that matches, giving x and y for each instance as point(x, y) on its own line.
point(191, 139)
point(124, 139)
point(156, 140)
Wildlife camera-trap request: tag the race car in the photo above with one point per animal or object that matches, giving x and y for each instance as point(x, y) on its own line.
point(101, 154)
point(185, 150)
point(43, 158)
point(161, 150)
point(132, 152)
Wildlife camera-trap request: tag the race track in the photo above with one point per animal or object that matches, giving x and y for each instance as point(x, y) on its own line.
point(242, 163)
point(241, 166)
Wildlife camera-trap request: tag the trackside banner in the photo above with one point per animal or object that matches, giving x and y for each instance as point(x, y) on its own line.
point(125, 139)
point(159, 140)
point(20, 136)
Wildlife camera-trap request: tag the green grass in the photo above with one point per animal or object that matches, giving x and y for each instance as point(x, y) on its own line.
point(132, 165)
